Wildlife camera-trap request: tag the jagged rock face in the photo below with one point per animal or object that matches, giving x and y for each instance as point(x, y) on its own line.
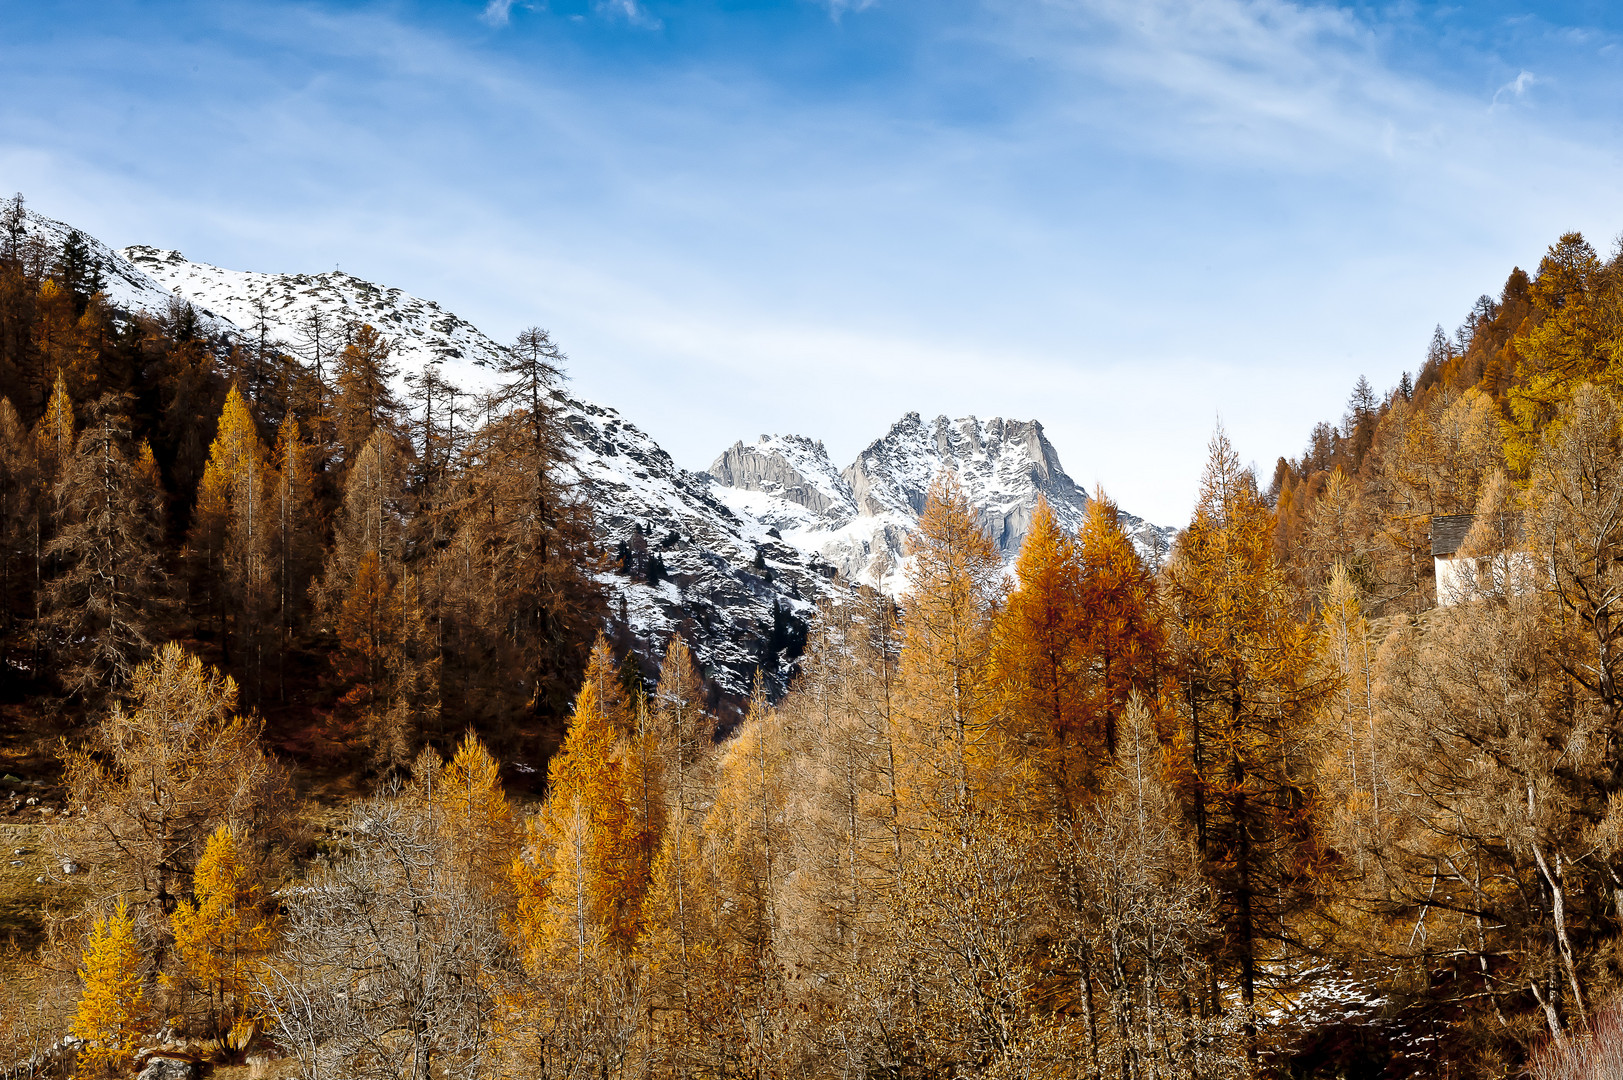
point(1004, 466)
point(790, 467)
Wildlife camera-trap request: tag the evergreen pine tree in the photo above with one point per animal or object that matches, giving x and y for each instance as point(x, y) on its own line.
point(79, 270)
point(107, 590)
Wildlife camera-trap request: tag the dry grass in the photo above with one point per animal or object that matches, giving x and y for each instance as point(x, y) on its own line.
point(1597, 1055)
point(23, 899)
point(270, 1070)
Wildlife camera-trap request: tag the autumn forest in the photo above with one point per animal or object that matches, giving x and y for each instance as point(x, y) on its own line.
point(279, 628)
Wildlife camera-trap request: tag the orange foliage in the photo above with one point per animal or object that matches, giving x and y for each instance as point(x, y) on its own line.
point(367, 622)
point(580, 880)
point(1074, 643)
point(956, 581)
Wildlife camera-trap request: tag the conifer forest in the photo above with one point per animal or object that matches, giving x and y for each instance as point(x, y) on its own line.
point(327, 755)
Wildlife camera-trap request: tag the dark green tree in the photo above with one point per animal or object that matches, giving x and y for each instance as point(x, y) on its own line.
point(104, 601)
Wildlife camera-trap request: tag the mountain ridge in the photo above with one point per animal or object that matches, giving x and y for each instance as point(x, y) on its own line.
point(858, 517)
point(746, 549)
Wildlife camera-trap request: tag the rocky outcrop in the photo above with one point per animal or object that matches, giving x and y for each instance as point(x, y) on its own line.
point(1004, 466)
point(167, 1064)
point(773, 467)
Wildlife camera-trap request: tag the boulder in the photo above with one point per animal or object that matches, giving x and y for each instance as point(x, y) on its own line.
point(167, 1065)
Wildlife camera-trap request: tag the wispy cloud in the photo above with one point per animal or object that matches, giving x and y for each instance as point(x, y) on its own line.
point(1196, 196)
point(1269, 84)
point(1516, 87)
point(498, 12)
point(1240, 79)
point(838, 8)
point(631, 11)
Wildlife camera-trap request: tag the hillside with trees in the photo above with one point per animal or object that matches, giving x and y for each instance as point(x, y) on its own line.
point(274, 643)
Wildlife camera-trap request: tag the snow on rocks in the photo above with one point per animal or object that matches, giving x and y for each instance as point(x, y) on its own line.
point(725, 576)
point(770, 531)
point(858, 518)
point(419, 331)
point(126, 286)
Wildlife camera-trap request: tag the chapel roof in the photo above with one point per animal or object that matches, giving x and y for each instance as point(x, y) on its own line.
point(1448, 533)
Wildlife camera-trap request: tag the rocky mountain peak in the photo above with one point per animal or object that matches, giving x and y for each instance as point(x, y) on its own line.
point(789, 467)
point(860, 524)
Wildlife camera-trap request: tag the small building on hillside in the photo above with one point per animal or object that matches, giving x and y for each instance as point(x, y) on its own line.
point(1447, 537)
point(1461, 577)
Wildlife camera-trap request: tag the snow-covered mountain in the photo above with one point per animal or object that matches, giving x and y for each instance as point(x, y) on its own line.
point(727, 581)
point(126, 286)
point(858, 518)
point(748, 548)
point(420, 332)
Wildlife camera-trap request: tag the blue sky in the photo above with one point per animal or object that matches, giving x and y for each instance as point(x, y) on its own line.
point(1123, 219)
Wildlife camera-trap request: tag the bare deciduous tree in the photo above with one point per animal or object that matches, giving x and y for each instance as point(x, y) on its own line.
point(391, 965)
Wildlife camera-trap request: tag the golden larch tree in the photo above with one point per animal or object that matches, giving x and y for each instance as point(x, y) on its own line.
point(955, 581)
point(233, 527)
point(297, 541)
point(1123, 638)
point(1250, 683)
point(476, 820)
point(224, 933)
point(747, 849)
point(161, 777)
point(1350, 714)
point(576, 879)
point(678, 916)
point(1039, 665)
point(113, 1007)
point(54, 441)
point(54, 434)
point(366, 399)
point(1569, 338)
